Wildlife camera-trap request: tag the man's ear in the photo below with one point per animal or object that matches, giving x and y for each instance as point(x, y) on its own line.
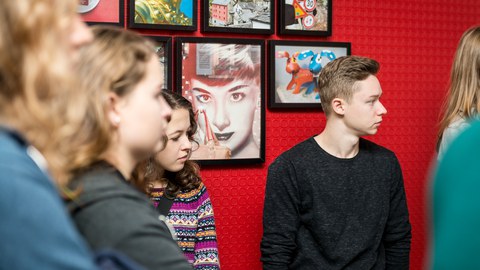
point(338, 106)
point(113, 112)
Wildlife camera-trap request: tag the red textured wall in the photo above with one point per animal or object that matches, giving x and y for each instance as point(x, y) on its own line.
point(414, 41)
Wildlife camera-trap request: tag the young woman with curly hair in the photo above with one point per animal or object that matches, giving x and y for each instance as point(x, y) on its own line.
point(174, 185)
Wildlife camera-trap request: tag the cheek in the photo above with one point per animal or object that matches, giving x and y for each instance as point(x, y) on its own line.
point(165, 157)
point(241, 125)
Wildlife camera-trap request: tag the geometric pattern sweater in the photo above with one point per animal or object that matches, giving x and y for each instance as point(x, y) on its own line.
point(191, 215)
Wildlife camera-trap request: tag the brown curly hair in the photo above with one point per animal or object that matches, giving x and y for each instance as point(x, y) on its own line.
point(149, 171)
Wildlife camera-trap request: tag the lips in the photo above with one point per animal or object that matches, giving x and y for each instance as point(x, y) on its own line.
point(184, 158)
point(224, 136)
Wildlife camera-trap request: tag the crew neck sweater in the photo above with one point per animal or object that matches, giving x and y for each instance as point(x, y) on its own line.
point(324, 212)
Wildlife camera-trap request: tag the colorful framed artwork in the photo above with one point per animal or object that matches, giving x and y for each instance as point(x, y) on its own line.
point(224, 80)
point(163, 14)
point(294, 67)
point(102, 12)
point(163, 48)
point(238, 16)
point(305, 17)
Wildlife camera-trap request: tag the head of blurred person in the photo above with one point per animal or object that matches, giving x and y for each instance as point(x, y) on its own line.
point(37, 94)
point(463, 95)
point(128, 114)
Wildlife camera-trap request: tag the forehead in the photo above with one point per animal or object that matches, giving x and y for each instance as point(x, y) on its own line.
point(368, 87)
point(180, 120)
point(217, 87)
point(154, 68)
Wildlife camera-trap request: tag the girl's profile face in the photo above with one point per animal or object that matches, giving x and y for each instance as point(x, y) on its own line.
point(177, 150)
point(143, 114)
point(230, 109)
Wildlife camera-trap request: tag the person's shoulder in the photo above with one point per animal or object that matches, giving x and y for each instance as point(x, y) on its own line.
point(16, 165)
point(11, 150)
point(456, 126)
point(376, 149)
point(467, 140)
point(196, 194)
point(298, 150)
point(103, 183)
point(98, 177)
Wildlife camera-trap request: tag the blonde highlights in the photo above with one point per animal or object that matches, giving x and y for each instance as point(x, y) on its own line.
point(462, 99)
point(37, 97)
point(116, 61)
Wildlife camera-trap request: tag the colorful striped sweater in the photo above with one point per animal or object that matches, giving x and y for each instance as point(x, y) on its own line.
point(191, 215)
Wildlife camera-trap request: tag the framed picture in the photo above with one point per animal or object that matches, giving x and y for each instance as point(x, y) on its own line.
point(224, 80)
point(305, 17)
point(294, 67)
point(102, 12)
point(238, 16)
point(163, 47)
point(166, 15)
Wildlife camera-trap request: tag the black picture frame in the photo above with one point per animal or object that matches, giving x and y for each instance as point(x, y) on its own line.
point(85, 12)
point(295, 88)
point(305, 17)
point(224, 80)
point(240, 17)
point(140, 17)
point(164, 50)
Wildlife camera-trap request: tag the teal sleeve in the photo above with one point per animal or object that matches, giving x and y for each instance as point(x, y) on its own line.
point(456, 204)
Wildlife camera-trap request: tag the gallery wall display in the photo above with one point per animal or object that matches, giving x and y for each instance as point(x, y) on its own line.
point(238, 16)
point(163, 14)
point(293, 71)
point(305, 17)
point(163, 48)
point(224, 80)
point(109, 12)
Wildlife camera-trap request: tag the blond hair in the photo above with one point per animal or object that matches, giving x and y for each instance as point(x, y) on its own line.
point(337, 79)
point(37, 94)
point(462, 99)
point(116, 61)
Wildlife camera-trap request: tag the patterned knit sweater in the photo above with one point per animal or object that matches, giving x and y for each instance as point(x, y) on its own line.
point(191, 215)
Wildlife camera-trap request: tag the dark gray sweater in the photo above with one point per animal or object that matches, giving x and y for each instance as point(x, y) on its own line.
point(111, 214)
point(323, 212)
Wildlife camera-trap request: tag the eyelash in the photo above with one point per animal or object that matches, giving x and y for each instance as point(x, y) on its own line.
point(242, 96)
point(206, 98)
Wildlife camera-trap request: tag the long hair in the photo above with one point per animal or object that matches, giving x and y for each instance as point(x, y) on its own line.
point(37, 84)
point(462, 99)
point(149, 171)
point(116, 61)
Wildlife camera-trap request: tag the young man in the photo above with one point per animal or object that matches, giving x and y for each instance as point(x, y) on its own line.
point(336, 200)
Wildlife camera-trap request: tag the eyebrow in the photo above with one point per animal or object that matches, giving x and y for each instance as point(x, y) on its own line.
point(376, 96)
point(175, 132)
point(233, 89)
point(237, 87)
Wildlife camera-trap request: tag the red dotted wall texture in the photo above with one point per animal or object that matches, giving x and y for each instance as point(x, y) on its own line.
point(414, 41)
